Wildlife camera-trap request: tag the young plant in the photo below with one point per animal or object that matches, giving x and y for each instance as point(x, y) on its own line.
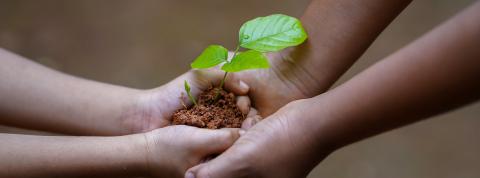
point(260, 35)
point(187, 89)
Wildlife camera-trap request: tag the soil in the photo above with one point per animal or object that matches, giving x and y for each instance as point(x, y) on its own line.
point(211, 114)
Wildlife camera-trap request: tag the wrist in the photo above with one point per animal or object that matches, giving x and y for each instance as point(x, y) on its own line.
point(143, 111)
point(137, 155)
point(315, 124)
point(148, 110)
point(330, 122)
point(297, 61)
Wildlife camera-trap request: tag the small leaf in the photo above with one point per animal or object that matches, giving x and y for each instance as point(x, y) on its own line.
point(250, 59)
point(187, 87)
point(211, 56)
point(272, 33)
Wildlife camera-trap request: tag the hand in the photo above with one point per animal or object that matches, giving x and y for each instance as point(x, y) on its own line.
point(285, 81)
point(174, 149)
point(154, 108)
point(282, 145)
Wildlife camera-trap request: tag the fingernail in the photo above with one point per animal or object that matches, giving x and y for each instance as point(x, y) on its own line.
point(189, 175)
point(241, 132)
point(243, 85)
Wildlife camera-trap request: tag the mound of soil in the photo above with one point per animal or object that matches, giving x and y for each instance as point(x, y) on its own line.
point(211, 114)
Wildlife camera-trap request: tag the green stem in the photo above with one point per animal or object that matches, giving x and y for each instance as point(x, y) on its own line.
point(223, 80)
point(225, 76)
point(192, 98)
point(235, 52)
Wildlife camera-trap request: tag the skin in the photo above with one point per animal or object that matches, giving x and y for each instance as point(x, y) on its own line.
point(339, 31)
point(430, 76)
point(104, 109)
point(72, 105)
point(297, 73)
point(66, 104)
point(165, 152)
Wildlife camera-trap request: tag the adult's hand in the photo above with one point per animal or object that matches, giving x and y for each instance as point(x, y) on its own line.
point(339, 32)
point(280, 146)
point(436, 73)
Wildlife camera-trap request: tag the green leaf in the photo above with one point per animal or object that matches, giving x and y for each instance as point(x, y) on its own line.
point(211, 56)
point(250, 59)
point(272, 33)
point(187, 87)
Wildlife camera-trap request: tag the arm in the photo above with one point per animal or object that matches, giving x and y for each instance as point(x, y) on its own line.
point(339, 32)
point(165, 152)
point(436, 73)
point(34, 96)
point(65, 156)
point(37, 97)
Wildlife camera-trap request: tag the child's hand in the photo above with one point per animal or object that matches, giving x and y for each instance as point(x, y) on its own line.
point(153, 108)
point(170, 151)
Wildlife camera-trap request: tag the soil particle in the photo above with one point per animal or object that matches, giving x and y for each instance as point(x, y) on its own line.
point(211, 114)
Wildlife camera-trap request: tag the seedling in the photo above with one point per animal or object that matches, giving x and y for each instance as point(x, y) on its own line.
point(190, 96)
point(260, 35)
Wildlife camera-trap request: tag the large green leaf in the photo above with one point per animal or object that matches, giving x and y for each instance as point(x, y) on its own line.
point(250, 59)
point(272, 33)
point(211, 56)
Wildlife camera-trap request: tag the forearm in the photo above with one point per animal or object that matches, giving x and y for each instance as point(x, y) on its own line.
point(436, 73)
point(339, 32)
point(68, 156)
point(34, 96)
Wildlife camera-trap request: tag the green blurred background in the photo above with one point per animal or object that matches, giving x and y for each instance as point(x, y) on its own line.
point(146, 43)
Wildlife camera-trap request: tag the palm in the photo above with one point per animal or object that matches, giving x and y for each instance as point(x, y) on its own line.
point(155, 107)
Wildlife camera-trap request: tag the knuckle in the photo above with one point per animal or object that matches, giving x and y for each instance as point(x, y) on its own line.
point(229, 136)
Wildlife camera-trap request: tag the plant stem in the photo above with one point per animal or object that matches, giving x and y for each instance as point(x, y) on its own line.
point(223, 80)
point(192, 98)
point(225, 76)
point(235, 52)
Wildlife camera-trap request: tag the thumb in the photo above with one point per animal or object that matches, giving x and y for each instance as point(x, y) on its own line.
point(217, 168)
point(216, 141)
point(215, 75)
point(233, 82)
point(235, 85)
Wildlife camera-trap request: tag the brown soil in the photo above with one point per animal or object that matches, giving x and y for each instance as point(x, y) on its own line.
point(210, 114)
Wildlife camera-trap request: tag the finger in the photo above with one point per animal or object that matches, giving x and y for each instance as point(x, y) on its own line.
point(190, 172)
point(219, 167)
point(216, 141)
point(250, 122)
point(252, 112)
point(204, 79)
point(233, 82)
point(207, 77)
point(243, 103)
point(235, 85)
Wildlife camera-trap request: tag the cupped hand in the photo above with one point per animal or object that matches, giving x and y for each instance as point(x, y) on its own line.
point(153, 108)
point(171, 150)
point(282, 145)
point(286, 80)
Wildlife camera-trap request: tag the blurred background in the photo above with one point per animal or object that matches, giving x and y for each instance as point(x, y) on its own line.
point(145, 43)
